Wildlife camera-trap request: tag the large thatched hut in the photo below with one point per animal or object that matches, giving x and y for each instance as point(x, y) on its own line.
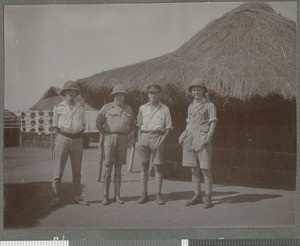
point(248, 60)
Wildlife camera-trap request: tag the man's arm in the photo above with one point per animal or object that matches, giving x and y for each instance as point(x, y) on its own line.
point(100, 120)
point(213, 122)
point(55, 121)
point(132, 121)
point(210, 134)
point(84, 121)
point(168, 124)
point(164, 136)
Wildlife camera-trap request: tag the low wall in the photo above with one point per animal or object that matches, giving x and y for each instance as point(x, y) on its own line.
point(35, 140)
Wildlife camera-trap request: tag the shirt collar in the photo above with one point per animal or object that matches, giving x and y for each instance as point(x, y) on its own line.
point(64, 103)
point(114, 105)
point(203, 101)
point(148, 104)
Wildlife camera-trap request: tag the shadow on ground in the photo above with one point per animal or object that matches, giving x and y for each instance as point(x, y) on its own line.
point(25, 204)
point(187, 195)
point(237, 183)
point(246, 198)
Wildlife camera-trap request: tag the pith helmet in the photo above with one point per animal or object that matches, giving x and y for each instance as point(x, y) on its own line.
point(154, 88)
point(197, 82)
point(70, 85)
point(119, 89)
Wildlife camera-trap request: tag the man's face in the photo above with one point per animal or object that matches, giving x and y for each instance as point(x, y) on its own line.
point(119, 98)
point(198, 92)
point(71, 94)
point(154, 96)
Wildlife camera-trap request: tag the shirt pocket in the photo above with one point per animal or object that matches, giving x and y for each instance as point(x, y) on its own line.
point(127, 115)
point(158, 120)
point(202, 115)
point(112, 117)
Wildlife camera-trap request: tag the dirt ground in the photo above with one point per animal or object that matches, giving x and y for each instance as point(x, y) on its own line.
point(27, 182)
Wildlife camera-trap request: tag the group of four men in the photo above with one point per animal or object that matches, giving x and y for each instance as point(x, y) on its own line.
point(116, 122)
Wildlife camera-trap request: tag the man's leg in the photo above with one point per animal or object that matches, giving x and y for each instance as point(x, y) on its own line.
point(157, 158)
point(144, 183)
point(208, 187)
point(120, 154)
point(158, 182)
point(143, 153)
point(106, 184)
point(60, 160)
point(197, 198)
point(117, 183)
point(76, 152)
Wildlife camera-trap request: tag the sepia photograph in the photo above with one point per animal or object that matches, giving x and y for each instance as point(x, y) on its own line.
point(150, 115)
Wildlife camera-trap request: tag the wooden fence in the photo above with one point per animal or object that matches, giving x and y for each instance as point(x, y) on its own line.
point(262, 155)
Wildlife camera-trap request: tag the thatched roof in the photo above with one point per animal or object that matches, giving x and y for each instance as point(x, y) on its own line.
point(249, 51)
point(9, 116)
point(52, 97)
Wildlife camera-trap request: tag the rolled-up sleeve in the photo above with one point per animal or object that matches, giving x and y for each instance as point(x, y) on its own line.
point(139, 121)
point(84, 121)
point(212, 113)
point(133, 119)
point(168, 119)
point(101, 116)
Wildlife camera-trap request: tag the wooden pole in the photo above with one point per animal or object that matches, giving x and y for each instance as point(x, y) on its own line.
point(52, 152)
point(20, 140)
point(130, 164)
point(101, 139)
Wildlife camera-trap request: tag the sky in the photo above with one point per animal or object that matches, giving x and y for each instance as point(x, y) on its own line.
point(46, 45)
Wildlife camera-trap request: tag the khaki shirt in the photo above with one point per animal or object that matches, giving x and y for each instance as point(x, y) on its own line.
point(116, 119)
point(154, 118)
point(72, 121)
point(200, 116)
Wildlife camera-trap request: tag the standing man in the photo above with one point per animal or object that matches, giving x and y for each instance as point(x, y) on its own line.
point(154, 122)
point(115, 121)
point(196, 141)
point(68, 122)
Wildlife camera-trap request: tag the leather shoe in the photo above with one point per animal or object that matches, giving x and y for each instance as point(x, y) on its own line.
point(105, 201)
point(81, 202)
point(195, 200)
point(119, 200)
point(207, 203)
point(159, 200)
point(143, 199)
point(55, 203)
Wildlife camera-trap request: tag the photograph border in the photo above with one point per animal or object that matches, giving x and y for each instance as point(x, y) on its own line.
point(98, 234)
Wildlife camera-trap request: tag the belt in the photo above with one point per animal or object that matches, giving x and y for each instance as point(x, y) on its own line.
point(70, 135)
point(118, 133)
point(153, 132)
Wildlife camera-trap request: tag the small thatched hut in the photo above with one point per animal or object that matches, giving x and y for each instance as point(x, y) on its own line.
point(42, 111)
point(248, 60)
point(52, 97)
point(11, 129)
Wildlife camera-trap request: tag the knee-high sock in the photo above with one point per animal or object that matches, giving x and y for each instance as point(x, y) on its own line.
point(117, 180)
point(207, 181)
point(144, 177)
point(158, 178)
point(107, 180)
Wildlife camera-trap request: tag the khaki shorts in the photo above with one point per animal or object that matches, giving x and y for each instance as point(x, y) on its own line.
point(146, 152)
point(114, 149)
point(195, 158)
